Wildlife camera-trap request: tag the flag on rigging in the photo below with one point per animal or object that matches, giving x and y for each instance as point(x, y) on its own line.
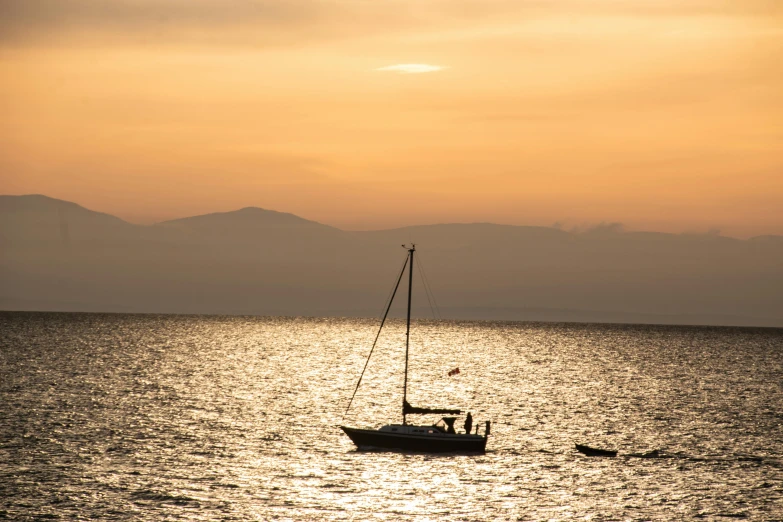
point(453, 372)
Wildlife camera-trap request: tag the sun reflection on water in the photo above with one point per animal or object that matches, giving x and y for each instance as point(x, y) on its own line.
point(203, 418)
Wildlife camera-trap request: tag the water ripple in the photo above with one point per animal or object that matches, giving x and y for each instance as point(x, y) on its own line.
point(145, 417)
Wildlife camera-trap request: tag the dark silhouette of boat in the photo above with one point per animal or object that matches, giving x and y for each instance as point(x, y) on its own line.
point(440, 437)
point(595, 452)
point(408, 437)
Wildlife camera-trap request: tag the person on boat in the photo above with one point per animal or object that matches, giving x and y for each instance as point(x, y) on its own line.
point(468, 423)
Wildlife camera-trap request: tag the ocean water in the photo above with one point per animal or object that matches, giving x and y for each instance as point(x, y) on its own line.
point(151, 417)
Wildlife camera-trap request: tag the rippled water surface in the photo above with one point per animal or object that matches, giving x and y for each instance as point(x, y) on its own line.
point(134, 417)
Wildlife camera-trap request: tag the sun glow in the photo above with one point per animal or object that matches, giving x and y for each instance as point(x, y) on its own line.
point(663, 115)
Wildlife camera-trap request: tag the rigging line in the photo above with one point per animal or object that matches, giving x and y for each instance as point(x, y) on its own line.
point(388, 307)
point(426, 290)
point(459, 355)
point(429, 287)
point(390, 296)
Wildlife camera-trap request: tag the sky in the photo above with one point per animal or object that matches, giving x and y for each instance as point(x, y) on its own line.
point(662, 115)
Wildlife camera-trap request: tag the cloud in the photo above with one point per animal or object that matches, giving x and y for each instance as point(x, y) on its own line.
point(212, 22)
point(296, 23)
point(412, 68)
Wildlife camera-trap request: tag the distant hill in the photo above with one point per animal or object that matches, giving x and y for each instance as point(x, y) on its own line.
point(57, 255)
point(767, 238)
point(36, 218)
point(245, 218)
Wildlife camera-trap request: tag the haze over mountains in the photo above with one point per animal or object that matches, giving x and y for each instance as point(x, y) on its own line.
point(58, 256)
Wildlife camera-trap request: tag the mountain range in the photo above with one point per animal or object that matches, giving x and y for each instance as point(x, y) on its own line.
point(58, 256)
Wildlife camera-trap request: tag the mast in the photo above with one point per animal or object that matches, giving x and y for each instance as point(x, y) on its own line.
point(383, 321)
point(411, 250)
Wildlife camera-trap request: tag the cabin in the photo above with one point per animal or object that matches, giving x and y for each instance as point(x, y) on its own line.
point(444, 426)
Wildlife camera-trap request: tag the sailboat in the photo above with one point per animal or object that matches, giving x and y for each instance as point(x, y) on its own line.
point(440, 437)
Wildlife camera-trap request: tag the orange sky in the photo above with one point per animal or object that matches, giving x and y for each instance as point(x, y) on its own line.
point(660, 114)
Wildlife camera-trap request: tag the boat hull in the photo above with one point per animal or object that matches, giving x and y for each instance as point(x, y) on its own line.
point(595, 452)
point(437, 443)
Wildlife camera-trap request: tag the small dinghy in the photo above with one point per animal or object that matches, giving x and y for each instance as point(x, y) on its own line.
point(595, 452)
